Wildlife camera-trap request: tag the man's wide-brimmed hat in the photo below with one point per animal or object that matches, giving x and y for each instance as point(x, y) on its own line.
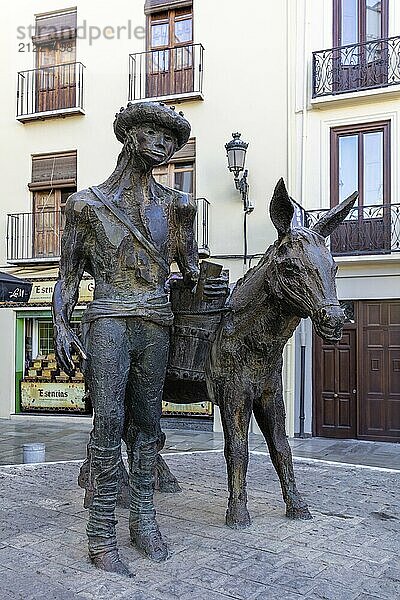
point(153, 113)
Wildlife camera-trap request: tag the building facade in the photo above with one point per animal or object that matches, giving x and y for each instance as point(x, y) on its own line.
point(346, 138)
point(68, 70)
point(312, 85)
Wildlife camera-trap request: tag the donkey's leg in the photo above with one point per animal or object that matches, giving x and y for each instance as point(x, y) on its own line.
point(165, 481)
point(235, 410)
point(269, 411)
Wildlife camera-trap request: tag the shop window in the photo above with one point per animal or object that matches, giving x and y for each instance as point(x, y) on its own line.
point(45, 332)
point(45, 387)
point(53, 181)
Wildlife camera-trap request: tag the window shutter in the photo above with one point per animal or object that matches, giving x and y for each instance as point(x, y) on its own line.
point(188, 152)
point(55, 26)
point(53, 171)
point(152, 6)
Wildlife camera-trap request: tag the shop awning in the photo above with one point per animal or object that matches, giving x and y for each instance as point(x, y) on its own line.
point(13, 289)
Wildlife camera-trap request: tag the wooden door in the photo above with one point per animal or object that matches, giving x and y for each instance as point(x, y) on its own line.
point(45, 224)
point(56, 75)
point(379, 403)
point(334, 383)
point(169, 64)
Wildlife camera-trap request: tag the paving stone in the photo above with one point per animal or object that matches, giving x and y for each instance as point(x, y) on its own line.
point(44, 550)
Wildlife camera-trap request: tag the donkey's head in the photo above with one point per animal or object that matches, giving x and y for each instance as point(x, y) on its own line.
point(304, 270)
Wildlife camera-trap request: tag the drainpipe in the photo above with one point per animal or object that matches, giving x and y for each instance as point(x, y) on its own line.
point(304, 132)
point(302, 414)
point(304, 114)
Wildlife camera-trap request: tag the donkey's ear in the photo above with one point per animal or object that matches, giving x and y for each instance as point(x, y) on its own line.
point(335, 216)
point(281, 209)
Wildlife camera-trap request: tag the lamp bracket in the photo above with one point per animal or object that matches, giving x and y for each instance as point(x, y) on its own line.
point(243, 187)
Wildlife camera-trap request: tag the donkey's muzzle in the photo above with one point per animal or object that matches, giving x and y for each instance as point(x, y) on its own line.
point(328, 323)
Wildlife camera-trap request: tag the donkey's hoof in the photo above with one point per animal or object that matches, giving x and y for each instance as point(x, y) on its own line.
point(298, 512)
point(237, 518)
point(168, 486)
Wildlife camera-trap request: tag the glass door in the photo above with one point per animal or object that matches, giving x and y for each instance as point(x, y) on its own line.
point(360, 32)
point(360, 162)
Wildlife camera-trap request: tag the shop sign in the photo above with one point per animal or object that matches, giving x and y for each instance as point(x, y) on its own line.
point(52, 396)
point(200, 408)
point(42, 291)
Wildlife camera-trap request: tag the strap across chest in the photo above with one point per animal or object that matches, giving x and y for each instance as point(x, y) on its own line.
point(118, 214)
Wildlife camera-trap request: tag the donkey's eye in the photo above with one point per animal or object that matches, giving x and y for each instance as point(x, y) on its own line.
point(290, 268)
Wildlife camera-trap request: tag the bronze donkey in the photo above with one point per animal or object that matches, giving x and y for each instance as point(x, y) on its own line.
point(295, 279)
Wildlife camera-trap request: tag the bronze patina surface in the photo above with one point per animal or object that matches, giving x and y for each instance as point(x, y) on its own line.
point(242, 371)
point(126, 233)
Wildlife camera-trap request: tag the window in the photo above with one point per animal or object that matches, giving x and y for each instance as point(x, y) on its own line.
point(179, 172)
point(170, 46)
point(359, 21)
point(45, 336)
point(360, 161)
point(53, 180)
point(55, 44)
point(365, 62)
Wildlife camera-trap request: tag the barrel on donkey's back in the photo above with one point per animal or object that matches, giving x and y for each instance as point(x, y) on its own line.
point(195, 325)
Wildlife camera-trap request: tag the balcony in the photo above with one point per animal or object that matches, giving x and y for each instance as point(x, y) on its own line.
point(36, 237)
point(368, 230)
point(356, 67)
point(50, 92)
point(170, 74)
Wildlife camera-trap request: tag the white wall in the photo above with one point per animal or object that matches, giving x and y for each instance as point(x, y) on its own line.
point(246, 83)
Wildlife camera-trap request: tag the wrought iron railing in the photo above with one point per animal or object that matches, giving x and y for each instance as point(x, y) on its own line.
point(167, 72)
point(34, 235)
point(49, 89)
point(355, 67)
point(367, 230)
point(37, 235)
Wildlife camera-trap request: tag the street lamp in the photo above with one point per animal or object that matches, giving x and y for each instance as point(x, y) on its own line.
point(236, 153)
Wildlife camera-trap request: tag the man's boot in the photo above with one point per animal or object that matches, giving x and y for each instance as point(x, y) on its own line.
point(104, 464)
point(144, 531)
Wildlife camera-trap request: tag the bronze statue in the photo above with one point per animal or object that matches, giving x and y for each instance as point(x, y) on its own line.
point(126, 233)
point(294, 279)
point(237, 360)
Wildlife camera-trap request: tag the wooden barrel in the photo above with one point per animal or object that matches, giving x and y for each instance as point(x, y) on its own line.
point(195, 326)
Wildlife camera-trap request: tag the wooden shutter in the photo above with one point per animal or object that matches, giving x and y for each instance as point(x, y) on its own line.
point(188, 152)
point(55, 26)
point(153, 6)
point(53, 170)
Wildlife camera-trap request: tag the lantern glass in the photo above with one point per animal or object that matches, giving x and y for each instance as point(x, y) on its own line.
point(236, 159)
point(236, 153)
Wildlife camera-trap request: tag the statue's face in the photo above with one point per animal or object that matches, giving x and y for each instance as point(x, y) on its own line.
point(154, 144)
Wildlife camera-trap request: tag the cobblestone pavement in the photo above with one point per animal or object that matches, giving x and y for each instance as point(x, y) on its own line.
point(348, 551)
point(66, 439)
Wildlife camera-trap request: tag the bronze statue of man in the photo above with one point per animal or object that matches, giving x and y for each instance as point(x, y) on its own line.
point(126, 233)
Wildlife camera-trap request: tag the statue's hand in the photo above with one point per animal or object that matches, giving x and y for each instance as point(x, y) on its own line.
point(66, 341)
point(216, 287)
point(190, 279)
